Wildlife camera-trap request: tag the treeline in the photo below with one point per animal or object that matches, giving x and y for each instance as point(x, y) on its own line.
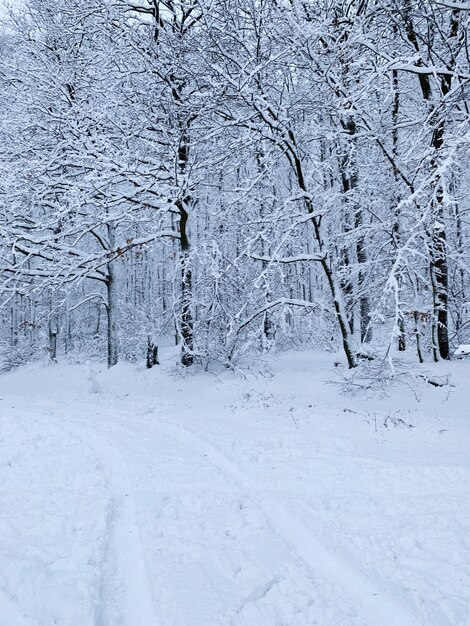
point(234, 174)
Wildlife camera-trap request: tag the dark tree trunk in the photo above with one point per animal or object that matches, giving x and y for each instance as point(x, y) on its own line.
point(349, 177)
point(152, 353)
point(111, 308)
point(53, 331)
point(113, 355)
point(418, 337)
point(187, 348)
point(396, 227)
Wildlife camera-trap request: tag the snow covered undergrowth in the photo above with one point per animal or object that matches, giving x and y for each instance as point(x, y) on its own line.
point(264, 499)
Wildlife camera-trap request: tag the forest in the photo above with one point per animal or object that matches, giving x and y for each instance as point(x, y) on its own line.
point(234, 176)
point(270, 200)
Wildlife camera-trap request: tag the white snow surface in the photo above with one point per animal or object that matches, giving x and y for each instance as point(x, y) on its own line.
point(463, 349)
point(262, 498)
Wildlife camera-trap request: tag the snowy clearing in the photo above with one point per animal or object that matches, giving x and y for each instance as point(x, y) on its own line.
point(263, 499)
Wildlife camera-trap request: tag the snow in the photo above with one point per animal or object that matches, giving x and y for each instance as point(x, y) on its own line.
point(135, 497)
point(463, 350)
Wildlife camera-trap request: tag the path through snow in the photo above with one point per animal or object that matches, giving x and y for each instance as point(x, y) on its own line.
point(266, 500)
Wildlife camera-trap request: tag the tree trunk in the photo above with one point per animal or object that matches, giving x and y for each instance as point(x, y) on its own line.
point(52, 332)
point(187, 348)
point(440, 271)
point(340, 314)
point(418, 337)
point(396, 227)
point(111, 308)
point(14, 321)
point(349, 176)
point(152, 353)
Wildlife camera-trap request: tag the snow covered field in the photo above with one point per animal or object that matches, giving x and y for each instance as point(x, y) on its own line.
point(263, 499)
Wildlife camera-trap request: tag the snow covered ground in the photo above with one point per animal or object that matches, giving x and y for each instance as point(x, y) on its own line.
point(263, 499)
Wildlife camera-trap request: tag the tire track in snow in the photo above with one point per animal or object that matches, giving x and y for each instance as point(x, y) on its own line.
point(375, 605)
point(126, 596)
point(137, 604)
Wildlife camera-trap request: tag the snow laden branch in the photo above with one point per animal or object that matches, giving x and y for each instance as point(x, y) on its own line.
point(306, 258)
